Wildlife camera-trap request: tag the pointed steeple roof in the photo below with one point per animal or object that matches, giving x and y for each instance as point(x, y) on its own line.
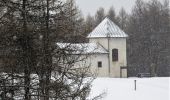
point(107, 28)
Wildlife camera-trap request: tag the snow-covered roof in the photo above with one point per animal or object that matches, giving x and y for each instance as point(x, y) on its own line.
point(107, 28)
point(83, 48)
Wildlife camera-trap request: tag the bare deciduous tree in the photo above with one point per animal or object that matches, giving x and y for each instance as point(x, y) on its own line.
point(148, 38)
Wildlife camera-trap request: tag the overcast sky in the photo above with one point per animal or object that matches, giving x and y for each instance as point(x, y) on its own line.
point(91, 6)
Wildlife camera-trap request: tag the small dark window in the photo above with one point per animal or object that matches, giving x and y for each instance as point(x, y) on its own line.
point(99, 64)
point(114, 54)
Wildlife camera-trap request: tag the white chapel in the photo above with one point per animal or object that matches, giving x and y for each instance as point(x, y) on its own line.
point(106, 50)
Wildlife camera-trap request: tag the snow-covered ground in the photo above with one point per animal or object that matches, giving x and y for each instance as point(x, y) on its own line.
point(123, 89)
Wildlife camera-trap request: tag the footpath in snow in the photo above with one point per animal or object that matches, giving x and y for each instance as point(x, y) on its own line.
point(124, 88)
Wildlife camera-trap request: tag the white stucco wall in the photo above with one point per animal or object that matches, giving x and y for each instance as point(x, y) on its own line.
point(91, 61)
point(100, 71)
point(102, 41)
point(120, 44)
point(109, 68)
point(114, 43)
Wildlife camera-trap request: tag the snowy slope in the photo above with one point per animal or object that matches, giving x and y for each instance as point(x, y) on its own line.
point(123, 89)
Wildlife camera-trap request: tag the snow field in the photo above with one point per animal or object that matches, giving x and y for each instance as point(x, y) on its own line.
point(124, 88)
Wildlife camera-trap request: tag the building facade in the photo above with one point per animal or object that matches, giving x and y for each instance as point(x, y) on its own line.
point(113, 39)
point(106, 50)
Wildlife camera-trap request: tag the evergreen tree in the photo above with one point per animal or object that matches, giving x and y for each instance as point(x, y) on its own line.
point(111, 15)
point(89, 24)
point(122, 19)
point(99, 16)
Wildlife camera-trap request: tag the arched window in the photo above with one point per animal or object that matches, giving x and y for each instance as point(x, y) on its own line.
point(114, 54)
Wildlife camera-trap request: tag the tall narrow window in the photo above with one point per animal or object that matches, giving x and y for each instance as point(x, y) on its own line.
point(99, 64)
point(114, 54)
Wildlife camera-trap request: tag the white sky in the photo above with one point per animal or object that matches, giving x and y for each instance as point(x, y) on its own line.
point(91, 6)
